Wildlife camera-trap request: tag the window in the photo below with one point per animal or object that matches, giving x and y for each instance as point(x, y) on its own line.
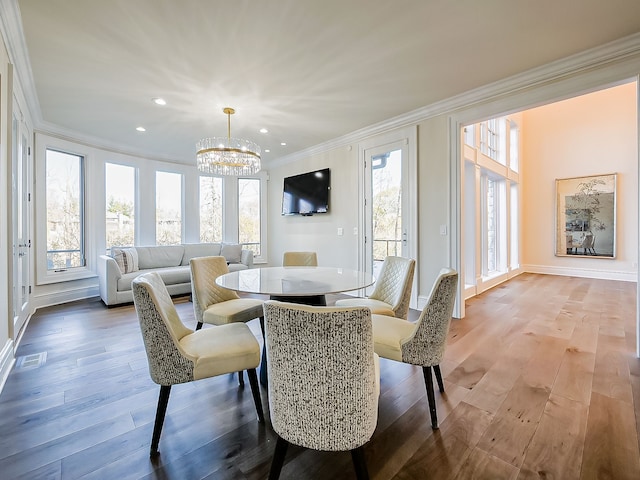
point(168, 208)
point(514, 253)
point(514, 146)
point(249, 214)
point(120, 202)
point(211, 209)
point(494, 231)
point(64, 174)
point(470, 135)
point(493, 139)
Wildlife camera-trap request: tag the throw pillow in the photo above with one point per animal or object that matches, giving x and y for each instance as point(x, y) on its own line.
point(126, 258)
point(232, 252)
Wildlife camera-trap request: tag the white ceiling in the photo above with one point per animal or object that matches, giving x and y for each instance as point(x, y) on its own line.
point(308, 70)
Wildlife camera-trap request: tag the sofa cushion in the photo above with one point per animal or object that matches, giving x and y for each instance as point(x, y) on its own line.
point(159, 256)
point(169, 275)
point(193, 250)
point(126, 258)
point(232, 252)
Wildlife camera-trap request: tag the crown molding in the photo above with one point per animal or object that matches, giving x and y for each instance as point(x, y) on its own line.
point(56, 131)
point(598, 57)
point(13, 36)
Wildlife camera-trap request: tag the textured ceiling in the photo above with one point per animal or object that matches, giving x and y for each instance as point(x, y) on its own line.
point(307, 70)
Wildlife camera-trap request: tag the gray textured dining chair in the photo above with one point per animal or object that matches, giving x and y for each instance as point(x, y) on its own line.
point(421, 343)
point(324, 379)
point(392, 292)
point(177, 354)
point(299, 259)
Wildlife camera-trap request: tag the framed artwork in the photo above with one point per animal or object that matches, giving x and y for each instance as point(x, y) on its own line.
point(586, 216)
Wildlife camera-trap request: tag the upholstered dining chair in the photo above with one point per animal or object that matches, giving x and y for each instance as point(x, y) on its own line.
point(216, 305)
point(300, 259)
point(324, 379)
point(392, 291)
point(177, 354)
point(421, 343)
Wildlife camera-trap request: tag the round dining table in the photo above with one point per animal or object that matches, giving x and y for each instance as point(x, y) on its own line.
point(308, 285)
point(295, 284)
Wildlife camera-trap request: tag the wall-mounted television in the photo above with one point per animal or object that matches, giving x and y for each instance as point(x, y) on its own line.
point(307, 193)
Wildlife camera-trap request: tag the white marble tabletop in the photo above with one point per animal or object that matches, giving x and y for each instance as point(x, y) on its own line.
point(295, 281)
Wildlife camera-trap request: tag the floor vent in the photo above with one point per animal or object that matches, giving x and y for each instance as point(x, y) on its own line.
point(34, 360)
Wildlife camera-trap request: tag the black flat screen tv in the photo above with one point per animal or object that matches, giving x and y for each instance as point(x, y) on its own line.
point(307, 193)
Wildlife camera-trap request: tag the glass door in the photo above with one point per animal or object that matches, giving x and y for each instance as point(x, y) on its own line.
point(21, 195)
point(387, 219)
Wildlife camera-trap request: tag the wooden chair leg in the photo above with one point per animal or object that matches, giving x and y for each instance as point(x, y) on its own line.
point(436, 370)
point(198, 326)
point(263, 365)
point(428, 380)
point(163, 401)
point(255, 390)
point(278, 458)
point(357, 455)
point(241, 378)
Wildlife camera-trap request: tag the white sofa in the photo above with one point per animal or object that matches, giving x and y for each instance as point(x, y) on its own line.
point(170, 261)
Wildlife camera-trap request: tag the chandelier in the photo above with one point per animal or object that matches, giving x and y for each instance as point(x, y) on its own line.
point(226, 155)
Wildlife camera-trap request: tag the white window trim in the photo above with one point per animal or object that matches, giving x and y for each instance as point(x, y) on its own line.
point(43, 275)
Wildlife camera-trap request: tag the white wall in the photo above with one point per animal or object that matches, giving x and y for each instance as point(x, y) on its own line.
point(587, 135)
point(6, 316)
point(318, 232)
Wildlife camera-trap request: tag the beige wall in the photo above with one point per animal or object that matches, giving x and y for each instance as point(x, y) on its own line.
point(587, 135)
point(318, 232)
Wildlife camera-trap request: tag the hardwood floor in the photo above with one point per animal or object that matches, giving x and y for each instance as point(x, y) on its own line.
point(541, 381)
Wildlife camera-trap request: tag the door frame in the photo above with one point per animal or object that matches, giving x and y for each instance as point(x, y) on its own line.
point(21, 170)
point(406, 136)
point(554, 90)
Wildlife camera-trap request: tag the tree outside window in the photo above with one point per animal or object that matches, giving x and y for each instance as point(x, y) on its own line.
point(168, 208)
point(65, 212)
point(210, 209)
point(249, 214)
point(120, 199)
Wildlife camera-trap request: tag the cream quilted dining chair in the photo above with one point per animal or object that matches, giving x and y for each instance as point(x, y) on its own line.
point(421, 343)
point(299, 259)
point(216, 305)
point(392, 292)
point(324, 379)
point(177, 354)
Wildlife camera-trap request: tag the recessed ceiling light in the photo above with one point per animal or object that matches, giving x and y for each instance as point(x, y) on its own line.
point(264, 130)
point(159, 101)
point(266, 150)
point(141, 129)
point(284, 144)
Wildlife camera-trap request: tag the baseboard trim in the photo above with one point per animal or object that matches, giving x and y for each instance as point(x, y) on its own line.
point(7, 359)
point(57, 298)
point(582, 272)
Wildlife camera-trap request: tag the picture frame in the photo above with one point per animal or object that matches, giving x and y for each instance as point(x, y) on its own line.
point(586, 216)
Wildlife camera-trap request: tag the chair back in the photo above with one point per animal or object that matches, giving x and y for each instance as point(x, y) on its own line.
point(394, 285)
point(323, 386)
point(299, 259)
point(588, 241)
point(162, 331)
point(204, 290)
point(426, 346)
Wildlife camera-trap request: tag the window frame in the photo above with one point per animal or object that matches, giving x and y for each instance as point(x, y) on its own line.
point(43, 275)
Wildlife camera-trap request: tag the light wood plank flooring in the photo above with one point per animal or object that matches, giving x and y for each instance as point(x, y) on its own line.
point(541, 381)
